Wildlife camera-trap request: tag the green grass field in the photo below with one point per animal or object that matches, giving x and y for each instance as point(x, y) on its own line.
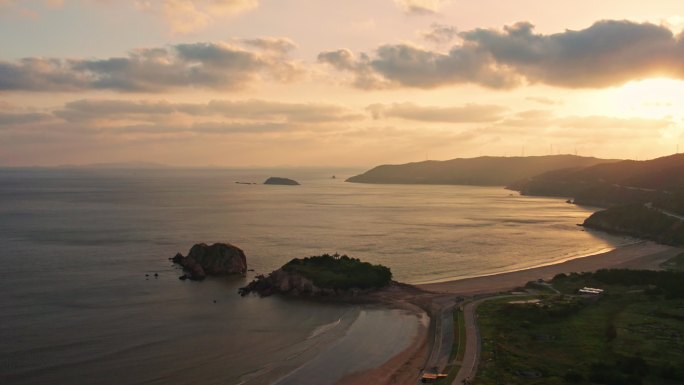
point(631, 335)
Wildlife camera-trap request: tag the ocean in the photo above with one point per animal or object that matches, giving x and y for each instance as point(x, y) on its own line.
point(76, 246)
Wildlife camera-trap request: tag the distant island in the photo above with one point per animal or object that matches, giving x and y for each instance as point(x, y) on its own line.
point(281, 181)
point(481, 171)
point(322, 275)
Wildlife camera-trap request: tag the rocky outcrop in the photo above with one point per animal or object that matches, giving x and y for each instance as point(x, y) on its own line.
point(322, 275)
point(218, 259)
point(281, 181)
point(283, 282)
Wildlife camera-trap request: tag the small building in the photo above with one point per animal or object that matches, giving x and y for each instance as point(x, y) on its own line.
point(590, 291)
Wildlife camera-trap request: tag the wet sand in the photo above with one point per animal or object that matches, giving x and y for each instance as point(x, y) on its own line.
point(373, 339)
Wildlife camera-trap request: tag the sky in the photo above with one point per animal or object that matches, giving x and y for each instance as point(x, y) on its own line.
point(278, 83)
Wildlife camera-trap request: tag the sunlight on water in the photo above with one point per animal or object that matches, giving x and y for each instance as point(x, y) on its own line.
point(76, 246)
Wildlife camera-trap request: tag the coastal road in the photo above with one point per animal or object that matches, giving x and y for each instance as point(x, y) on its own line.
point(471, 356)
point(668, 213)
point(444, 336)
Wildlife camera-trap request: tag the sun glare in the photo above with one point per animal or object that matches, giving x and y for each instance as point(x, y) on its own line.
point(655, 98)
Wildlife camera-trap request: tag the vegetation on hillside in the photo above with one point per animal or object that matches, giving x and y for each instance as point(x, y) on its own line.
point(658, 181)
point(632, 334)
point(639, 221)
point(340, 272)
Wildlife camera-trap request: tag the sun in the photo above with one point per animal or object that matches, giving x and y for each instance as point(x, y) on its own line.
point(655, 98)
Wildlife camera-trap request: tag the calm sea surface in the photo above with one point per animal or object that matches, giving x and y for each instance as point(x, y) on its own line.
point(75, 246)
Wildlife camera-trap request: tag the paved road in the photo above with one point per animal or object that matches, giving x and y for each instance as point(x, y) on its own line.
point(444, 337)
point(472, 347)
point(668, 213)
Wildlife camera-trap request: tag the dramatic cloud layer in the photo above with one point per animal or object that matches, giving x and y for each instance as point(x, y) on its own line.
point(204, 65)
point(606, 54)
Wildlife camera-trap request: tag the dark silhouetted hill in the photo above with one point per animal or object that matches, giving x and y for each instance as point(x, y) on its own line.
point(643, 199)
point(482, 171)
point(659, 181)
point(639, 221)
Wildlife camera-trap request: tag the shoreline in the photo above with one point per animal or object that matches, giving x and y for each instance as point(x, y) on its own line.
point(642, 255)
point(405, 367)
point(545, 264)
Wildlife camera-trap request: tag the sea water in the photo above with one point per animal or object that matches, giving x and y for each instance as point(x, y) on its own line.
point(79, 249)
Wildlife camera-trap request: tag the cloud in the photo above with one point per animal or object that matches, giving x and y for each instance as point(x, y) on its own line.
point(586, 128)
point(409, 66)
point(420, 7)
point(608, 53)
point(20, 118)
point(12, 115)
point(469, 113)
point(544, 100)
point(440, 33)
point(364, 76)
point(213, 112)
point(605, 54)
point(215, 65)
point(186, 16)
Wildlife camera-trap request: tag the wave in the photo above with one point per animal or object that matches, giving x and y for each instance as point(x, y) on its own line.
point(324, 329)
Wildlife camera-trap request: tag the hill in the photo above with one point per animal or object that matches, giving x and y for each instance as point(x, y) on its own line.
point(659, 181)
point(639, 221)
point(481, 171)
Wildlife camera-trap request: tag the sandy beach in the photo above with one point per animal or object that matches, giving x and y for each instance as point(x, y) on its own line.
point(406, 367)
point(642, 255)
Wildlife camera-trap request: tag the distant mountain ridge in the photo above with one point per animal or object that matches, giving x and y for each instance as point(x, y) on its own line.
point(480, 171)
point(116, 165)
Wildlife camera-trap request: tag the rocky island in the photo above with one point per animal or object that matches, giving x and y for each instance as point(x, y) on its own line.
point(281, 181)
point(218, 259)
point(324, 275)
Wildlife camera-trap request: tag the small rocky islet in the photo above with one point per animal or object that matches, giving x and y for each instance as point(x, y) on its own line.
point(281, 181)
point(210, 260)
